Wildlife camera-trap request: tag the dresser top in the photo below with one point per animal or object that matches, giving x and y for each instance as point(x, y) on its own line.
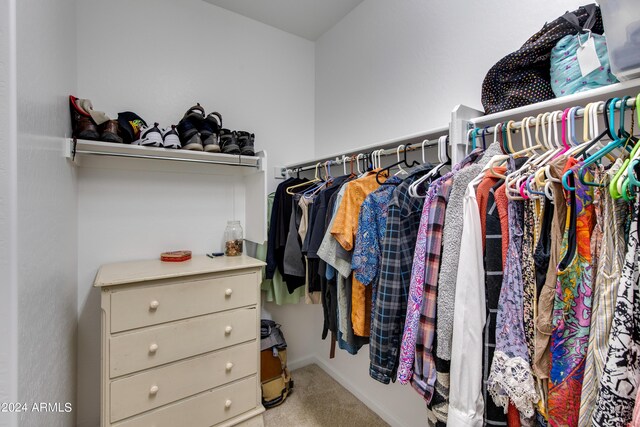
point(122, 273)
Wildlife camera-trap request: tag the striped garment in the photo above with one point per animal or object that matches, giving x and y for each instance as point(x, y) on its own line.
point(607, 279)
point(621, 375)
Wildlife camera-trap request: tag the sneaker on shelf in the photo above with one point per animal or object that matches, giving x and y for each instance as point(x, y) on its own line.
point(210, 132)
point(170, 138)
point(150, 137)
point(245, 142)
point(109, 132)
point(194, 143)
point(82, 125)
point(228, 142)
point(191, 124)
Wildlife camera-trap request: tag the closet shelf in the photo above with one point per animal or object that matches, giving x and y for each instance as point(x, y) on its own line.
point(107, 149)
point(631, 88)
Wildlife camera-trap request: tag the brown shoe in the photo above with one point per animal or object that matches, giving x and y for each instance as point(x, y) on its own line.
point(82, 125)
point(86, 129)
point(110, 132)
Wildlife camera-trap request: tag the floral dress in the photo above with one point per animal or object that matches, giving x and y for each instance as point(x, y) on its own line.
point(572, 309)
point(511, 378)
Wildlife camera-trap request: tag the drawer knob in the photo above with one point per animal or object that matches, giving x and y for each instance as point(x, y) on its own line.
point(153, 390)
point(153, 305)
point(228, 292)
point(228, 330)
point(229, 366)
point(153, 348)
point(227, 404)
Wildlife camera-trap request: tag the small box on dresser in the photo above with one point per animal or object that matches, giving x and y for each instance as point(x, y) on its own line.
point(180, 343)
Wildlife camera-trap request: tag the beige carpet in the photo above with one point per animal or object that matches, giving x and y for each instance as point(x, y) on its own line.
point(319, 401)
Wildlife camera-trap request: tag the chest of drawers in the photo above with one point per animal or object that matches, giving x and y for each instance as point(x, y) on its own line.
point(180, 343)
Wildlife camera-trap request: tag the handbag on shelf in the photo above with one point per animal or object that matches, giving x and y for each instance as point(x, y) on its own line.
point(523, 77)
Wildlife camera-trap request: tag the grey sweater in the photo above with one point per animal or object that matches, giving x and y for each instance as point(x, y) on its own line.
point(451, 241)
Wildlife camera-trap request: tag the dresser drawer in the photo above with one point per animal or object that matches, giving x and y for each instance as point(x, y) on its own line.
point(157, 387)
point(134, 351)
point(203, 410)
point(151, 305)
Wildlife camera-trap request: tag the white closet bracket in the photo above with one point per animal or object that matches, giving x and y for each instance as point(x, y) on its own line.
point(458, 129)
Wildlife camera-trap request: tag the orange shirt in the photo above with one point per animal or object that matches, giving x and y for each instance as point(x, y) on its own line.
point(344, 231)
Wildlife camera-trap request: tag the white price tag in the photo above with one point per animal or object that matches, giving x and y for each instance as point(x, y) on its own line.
point(588, 57)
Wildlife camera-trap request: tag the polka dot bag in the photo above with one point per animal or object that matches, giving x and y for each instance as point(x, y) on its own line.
point(523, 77)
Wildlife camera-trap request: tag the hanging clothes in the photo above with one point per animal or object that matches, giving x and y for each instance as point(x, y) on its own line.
point(399, 242)
point(511, 378)
point(372, 226)
point(466, 404)
point(607, 280)
point(424, 275)
point(621, 376)
point(544, 326)
point(572, 308)
point(275, 289)
point(344, 231)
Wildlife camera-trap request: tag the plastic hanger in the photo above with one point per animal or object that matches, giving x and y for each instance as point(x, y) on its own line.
point(290, 191)
point(442, 151)
point(619, 186)
point(400, 162)
point(424, 160)
point(615, 143)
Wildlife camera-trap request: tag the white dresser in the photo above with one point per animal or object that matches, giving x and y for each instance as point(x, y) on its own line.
point(180, 343)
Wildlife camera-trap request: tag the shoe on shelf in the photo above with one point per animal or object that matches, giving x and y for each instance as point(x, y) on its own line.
point(109, 132)
point(150, 137)
point(170, 138)
point(82, 125)
point(210, 132)
point(228, 142)
point(129, 125)
point(194, 143)
point(191, 123)
point(245, 142)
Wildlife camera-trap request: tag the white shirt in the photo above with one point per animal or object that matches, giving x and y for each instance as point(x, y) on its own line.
point(466, 404)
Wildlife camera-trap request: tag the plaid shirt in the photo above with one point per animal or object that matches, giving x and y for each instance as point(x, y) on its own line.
point(395, 274)
point(424, 369)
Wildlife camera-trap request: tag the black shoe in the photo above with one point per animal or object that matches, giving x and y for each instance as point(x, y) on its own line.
point(228, 142)
point(191, 124)
point(210, 132)
point(194, 143)
point(245, 142)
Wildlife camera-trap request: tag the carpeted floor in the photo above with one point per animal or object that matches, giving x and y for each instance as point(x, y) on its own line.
point(319, 401)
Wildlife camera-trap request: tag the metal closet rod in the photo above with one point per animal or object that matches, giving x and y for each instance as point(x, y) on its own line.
point(143, 156)
point(518, 125)
point(353, 157)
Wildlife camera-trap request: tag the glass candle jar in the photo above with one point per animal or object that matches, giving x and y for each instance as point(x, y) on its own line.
point(233, 239)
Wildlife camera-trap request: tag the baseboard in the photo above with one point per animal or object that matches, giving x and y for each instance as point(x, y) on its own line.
point(301, 363)
point(353, 389)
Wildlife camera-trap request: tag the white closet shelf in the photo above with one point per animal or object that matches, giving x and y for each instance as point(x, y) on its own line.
point(107, 149)
point(631, 88)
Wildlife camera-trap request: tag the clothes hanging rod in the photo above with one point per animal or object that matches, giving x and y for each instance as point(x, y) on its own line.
point(142, 156)
point(489, 130)
point(383, 152)
point(415, 138)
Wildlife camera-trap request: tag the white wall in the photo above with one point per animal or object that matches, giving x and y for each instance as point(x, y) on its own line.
point(388, 70)
point(8, 200)
point(157, 58)
point(46, 210)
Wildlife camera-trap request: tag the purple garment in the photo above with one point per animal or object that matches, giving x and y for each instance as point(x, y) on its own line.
point(416, 288)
